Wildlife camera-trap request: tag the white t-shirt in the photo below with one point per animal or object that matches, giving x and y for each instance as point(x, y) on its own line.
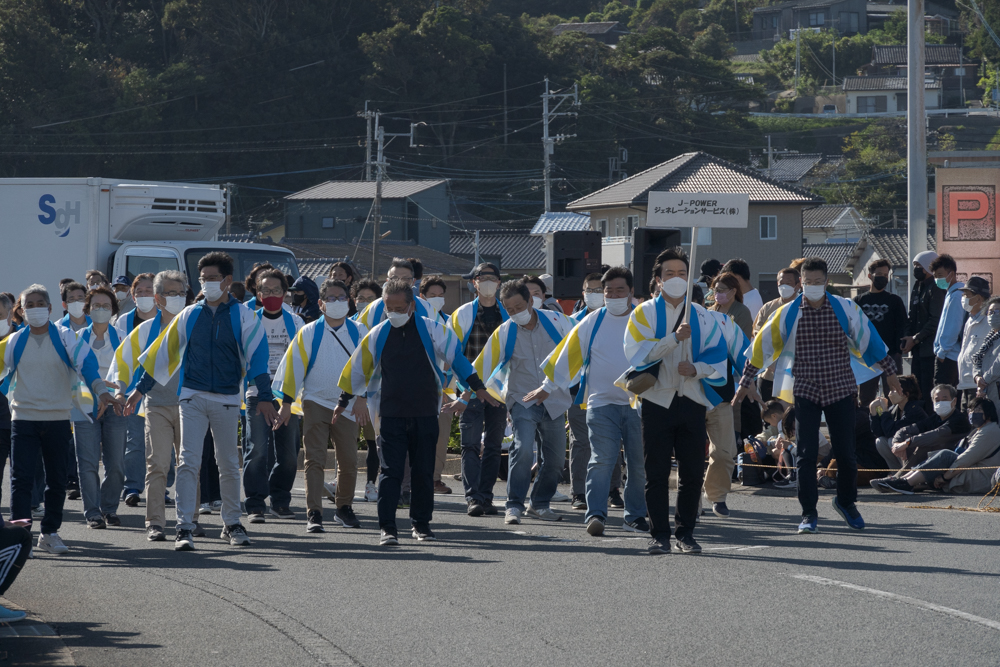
point(753, 301)
point(278, 340)
point(321, 383)
point(105, 354)
point(607, 363)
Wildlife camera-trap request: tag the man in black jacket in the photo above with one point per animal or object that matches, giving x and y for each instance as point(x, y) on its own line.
point(887, 312)
point(926, 303)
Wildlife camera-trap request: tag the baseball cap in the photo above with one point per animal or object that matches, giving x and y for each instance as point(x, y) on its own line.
point(485, 267)
point(121, 280)
point(978, 286)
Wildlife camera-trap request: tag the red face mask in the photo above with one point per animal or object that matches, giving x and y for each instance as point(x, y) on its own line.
point(272, 303)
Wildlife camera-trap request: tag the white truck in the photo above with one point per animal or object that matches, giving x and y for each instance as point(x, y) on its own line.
point(55, 228)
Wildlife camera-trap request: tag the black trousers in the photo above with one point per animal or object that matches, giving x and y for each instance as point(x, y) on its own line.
point(766, 390)
point(677, 432)
point(15, 543)
point(869, 390)
point(923, 370)
point(399, 436)
point(945, 372)
point(840, 420)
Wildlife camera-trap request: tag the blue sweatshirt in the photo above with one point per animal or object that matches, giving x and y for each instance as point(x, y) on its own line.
point(947, 340)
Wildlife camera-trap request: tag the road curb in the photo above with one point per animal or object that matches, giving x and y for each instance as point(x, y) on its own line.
point(31, 642)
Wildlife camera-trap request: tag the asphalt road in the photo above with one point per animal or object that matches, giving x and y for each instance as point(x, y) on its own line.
point(918, 587)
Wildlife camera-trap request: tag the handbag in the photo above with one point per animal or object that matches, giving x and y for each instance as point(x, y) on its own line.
point(639, 381)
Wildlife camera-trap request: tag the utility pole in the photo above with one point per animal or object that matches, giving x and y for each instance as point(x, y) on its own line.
point(736, 11)
point(770, 158)
point(798, 60)
point(377, 207)
point(916, 134)
point(229, 208)
point(368, 116)
point(549, 142)
point(505, 104)
point(475, 245)
point(833, 49)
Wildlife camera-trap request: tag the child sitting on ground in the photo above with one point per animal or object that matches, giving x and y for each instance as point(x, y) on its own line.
point(785, 453)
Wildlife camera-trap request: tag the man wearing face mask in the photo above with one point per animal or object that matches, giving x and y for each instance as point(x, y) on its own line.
point(434, 289)
point(814, 341)
point(888, 313)
point(123, 293)
point(216, 342)
point(948, 338)
point(975, 294)
point(473, 324)
point(592, 356)
point(318, 354)
point(44, 362)
point(73, 297)
point(536, 287)
point(789, 286)
point(926, 303)
point(942, 430)
point(95, 278)
point(512, 361)
point(162, 432)
point(399, 367)
point(400, 269)
point(305, 298)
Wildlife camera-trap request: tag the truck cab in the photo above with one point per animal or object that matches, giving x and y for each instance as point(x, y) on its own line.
point(134, 258)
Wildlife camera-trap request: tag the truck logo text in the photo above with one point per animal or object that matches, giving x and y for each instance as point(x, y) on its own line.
point(60, 217)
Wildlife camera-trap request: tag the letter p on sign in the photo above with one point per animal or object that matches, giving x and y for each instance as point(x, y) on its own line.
point(968, 213)
point(960, 208)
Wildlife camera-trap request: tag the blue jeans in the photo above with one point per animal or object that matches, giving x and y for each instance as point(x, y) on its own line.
point(261, 479)
point(135, 454)
point(552, 451)
point(611, 426)
point(52, 438)
point(480, 474)
point(104, 438)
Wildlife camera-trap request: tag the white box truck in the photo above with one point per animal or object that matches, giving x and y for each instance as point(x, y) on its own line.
point(55, 228)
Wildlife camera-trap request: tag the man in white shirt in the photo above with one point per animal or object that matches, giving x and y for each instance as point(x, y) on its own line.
point(593, 356)
point(261, 442)
point(751, 297)
point(309, 369)
point(400, 269)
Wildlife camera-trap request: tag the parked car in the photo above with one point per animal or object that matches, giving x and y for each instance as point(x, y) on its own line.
point(829, 108)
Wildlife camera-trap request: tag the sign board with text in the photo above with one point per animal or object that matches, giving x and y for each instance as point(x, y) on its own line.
point(697, 209)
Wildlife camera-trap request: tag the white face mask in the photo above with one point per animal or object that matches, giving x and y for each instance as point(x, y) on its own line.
point(786, 291)
point(487, 288)
point(121, 295)
point(437, 302)
point(36, 317)
point(941, 408)
point(536, 302)
point(675, 288)
point(593, 301)
point(814, 292)
point(145, 303)
point(4, 328)
point(212, 290)
point(617, 306)
point(521, 319)
point(361, 305)
point(100, 315)
point(175, 304)
point(75, 309)
point(337, 310)
point(398, 319)
point(966, 304)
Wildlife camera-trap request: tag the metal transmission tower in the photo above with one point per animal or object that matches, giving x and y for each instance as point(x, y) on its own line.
point(549, 142)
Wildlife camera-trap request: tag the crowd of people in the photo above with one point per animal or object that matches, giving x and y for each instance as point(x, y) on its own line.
point(215, 393)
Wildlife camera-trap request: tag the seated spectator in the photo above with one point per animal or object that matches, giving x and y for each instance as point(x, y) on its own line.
point(948, 470)
point(986, 361)
point(885, 421)
point(771, 414)
point(785, 453)
point(912, 444)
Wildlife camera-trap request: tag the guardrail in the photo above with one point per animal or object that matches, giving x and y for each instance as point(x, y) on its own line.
point(883, 114)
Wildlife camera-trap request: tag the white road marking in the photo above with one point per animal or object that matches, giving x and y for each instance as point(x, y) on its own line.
point(759, 546)
point(895, 597)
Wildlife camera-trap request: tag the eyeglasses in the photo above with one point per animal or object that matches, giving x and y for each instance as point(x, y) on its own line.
point(95, 306)
point(488, 277)
point(335, 299)
point(270, 292)
point(210, 279)
point(174, 293)
point(599, 290)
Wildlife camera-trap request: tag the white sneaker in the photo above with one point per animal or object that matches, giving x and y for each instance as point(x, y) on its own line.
point(371, 492)
point(512, 516)
point(52, 543)
point(205, 508)
point(216, 505)
point(545, 514)
point(560, 497)
point(330, 488)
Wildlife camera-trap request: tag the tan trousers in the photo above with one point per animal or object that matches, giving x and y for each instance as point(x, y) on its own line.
point(444, 432)
point(721, 452)
point(162, 435)
point(316, 433)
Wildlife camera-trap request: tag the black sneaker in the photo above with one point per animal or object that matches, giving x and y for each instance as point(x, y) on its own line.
point(658, 547)
point(155, 534)
point(184, 541)
point(112, 519)
point(73, 491)
point(489, 509)
point(687, 545)
point(388, 538)
point(475, 508)
point(282, 512)
point(422, 532)
point(314, 522)
point(404, 500)
point(720, 510)
point(899, 485)
point(132, 499)
point(579, 502)
point(880, 484)
point(615, 499)
point(96, 523)
point(346, 518)
point(640, 525)
point(236, 534)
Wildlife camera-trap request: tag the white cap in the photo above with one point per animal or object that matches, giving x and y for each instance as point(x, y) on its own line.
point(925, 258)
point(547, 279)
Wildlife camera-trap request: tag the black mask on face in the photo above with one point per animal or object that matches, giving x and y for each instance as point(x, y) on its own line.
point(298, 299)
point(919, 273)
point(879, 282)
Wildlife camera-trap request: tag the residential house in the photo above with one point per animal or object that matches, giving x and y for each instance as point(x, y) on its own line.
point(772, 238)
point(944, 62)
point(939, 19)
point(517, 251)
point(606, 32)
point(837, 257)
point(848, 17)
point(832, 223)
point(879, 94)
point(415, 211)
point(888, 244)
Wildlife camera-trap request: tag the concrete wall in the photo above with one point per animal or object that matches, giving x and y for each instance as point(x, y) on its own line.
point(932, 99)
point(967, 219)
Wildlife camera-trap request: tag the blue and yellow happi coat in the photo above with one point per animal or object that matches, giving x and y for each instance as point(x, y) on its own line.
point(775, 343)
point(569, 363)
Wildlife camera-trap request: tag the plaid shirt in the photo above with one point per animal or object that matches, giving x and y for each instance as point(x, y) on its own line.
point(822, 365)
point(486, 322)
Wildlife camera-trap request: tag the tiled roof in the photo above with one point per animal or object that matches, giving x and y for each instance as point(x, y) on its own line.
point(797, 4)
point(517, 250)
point(318, 257)
point(837, 217)
point(790, 167)
point(561, 222)
point(746, 58)
point(596, 28)
point(881, 83)
point(694, 172)
point(934, 54)
point(892, 244)
point(364, 190)
point(837, 255)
